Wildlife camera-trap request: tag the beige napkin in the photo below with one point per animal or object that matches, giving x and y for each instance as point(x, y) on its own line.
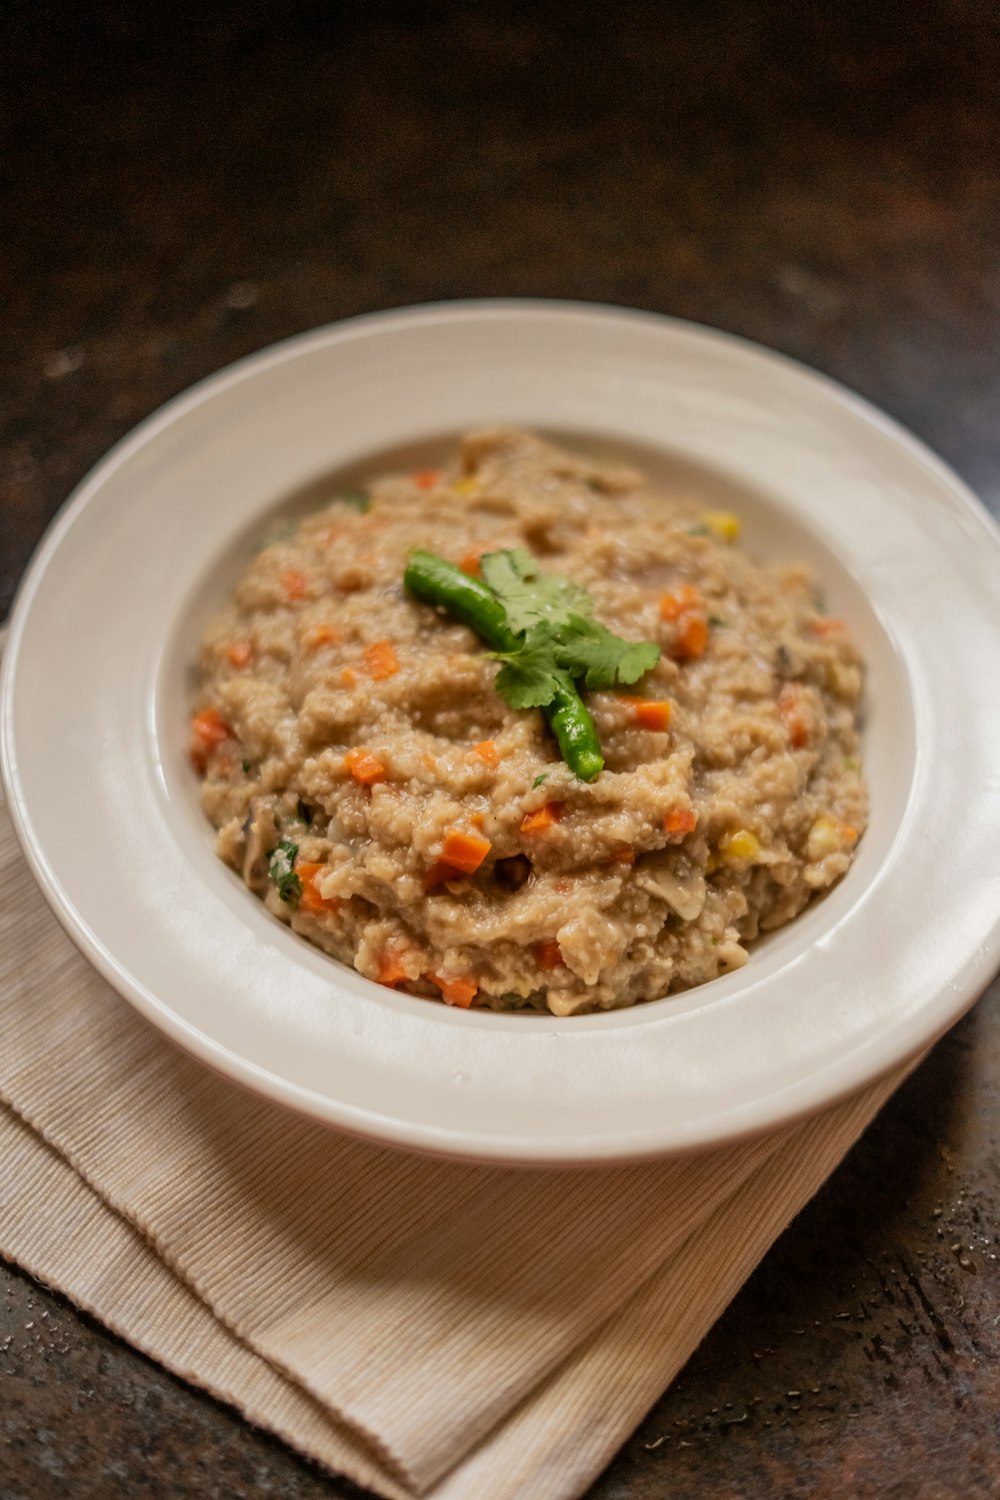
point(427, 1328)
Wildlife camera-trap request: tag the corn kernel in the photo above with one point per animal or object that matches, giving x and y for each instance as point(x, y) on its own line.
point(722, 524)
point(467, 486)
point(739, 848)
point(825, 839)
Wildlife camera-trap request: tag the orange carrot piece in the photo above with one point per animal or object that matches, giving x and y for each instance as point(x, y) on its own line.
point(487, 752)
point(824, 625)
point(208, 730)
point(693, 635)
point(240, 654)
point(790, 713)
point(549, 954)
point(311, 900)
point(623, 857)
point(684, 599)
point(686, 609)
point(381, 660)
point(460, 992)
point(321, 635)
point(470, 564)
point(365, 767)
point(464, 851)
point(391, 969)
point(427, 479)
point(537, 822)
point(293, 581)
point(651, 713)
point(349, 677)
point(681, 820)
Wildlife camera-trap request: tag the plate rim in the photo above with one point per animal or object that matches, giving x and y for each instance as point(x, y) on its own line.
point(976, 972)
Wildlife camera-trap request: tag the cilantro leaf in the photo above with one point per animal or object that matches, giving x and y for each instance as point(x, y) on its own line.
point(528, 596)
point(281, 869)
point(357, 500)
point(529, 677)
point(544, 777)
point(591, 651)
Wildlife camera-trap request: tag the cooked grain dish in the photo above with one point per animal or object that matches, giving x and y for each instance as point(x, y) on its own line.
point(372, 786)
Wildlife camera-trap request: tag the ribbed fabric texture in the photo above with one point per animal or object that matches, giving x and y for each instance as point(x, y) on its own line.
point(426, 1328)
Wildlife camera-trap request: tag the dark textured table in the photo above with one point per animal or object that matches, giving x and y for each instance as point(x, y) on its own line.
point(183, 188)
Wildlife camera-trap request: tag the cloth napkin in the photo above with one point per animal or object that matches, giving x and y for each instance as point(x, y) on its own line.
point(424, 1327)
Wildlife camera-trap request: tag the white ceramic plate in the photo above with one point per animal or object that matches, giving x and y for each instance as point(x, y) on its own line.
point(94, 713)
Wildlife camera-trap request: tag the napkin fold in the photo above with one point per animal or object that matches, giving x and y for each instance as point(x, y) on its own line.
point(424, 1327)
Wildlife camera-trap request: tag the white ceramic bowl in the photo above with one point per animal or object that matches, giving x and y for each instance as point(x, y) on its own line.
point(94, 709)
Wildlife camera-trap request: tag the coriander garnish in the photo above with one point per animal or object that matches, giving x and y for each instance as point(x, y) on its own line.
point(541, 627)
point(281, 869)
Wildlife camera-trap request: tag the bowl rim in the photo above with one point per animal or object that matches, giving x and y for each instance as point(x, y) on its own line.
point(967, 978)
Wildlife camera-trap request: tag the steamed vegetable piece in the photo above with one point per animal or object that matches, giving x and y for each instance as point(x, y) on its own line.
point(539, 626)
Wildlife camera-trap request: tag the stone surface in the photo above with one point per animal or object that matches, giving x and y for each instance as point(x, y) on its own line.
point(183, 185)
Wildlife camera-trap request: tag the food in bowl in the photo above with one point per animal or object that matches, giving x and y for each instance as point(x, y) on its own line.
point(386, 791)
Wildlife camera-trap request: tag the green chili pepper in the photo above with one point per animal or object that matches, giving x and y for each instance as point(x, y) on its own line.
point(438, 582)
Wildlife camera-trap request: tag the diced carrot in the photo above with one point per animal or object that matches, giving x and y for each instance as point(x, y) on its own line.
point(439, 873)
point(381, 660)
point(693, 635)
point(208, 729)
point(470, 564)
point(824, 625)
point(537, 822)
point(681, 820)
point(686, 609)
point(464, 851)
point(791, 715)
point(427, 479)
point(321, 635)
point(364, 767)
point(682, 600)
point(651, 713)
point(311, 900)
point(349, 677)
point(549, 954)
point(293, 581)
point(240, 654)
point(391, 968)
point(460, 992)
point(477, 820)
point(487, 752)
point(622, 857)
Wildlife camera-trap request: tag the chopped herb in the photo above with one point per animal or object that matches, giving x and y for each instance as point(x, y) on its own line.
point(529, 677)
point(715, 942)
point(600, 657)
point(698, 531)
point(358, 500)
point(511, 1001)
point(304, 812)
point(539, 779)
point(281, 869)
point(560, 636)
point(246, 768)
point(715, 620)
point(528, 596)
